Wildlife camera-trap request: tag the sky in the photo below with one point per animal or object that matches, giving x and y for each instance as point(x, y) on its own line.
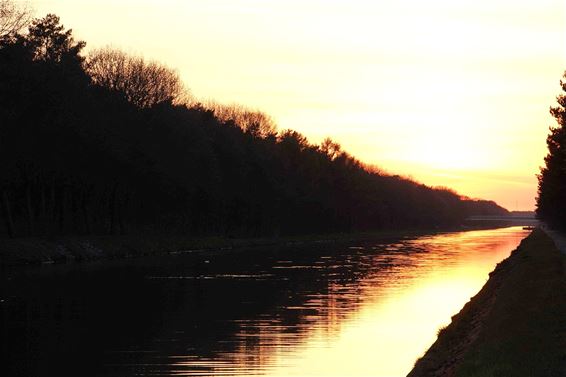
point(451, 93)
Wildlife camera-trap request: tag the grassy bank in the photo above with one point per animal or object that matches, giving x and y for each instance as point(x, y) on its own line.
point(514, 326)
point(30, 251)
point(36, 251)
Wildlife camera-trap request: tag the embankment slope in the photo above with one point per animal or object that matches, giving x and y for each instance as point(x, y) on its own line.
point(515, 326)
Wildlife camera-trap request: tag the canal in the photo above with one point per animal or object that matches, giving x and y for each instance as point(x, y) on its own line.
point(361, 309)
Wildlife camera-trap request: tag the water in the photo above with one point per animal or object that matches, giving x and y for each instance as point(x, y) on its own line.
point(366, 309)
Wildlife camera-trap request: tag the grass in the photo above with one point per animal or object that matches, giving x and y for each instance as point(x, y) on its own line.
point(25, 251)
point(42, 250)
point(514, 326)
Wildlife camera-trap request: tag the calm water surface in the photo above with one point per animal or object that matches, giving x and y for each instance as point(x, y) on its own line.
point(368, 309)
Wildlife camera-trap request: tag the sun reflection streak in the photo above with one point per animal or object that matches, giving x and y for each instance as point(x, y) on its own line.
point(377, 324)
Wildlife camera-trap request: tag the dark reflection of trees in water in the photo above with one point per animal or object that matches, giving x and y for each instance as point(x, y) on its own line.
point(208, 311)
point(117, 319)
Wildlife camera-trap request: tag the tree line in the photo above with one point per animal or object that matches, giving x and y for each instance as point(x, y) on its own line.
point(109, 143)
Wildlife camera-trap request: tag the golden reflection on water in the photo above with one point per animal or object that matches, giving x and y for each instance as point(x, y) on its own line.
point(375, 324)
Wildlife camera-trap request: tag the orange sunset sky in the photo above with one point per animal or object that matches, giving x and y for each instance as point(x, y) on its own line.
point(450, 92)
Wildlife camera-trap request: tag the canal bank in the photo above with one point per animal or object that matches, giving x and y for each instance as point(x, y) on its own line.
point(45, 251)
point(515, 326)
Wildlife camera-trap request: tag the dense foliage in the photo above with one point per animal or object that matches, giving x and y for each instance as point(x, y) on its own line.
point(83, 153)
point(551, 200)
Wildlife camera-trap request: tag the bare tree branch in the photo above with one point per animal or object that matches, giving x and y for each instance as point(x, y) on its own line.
point(13, 17)
point(142, 83)
point(254, 122)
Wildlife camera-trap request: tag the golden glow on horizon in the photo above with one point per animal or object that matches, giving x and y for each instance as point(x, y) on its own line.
point(435, 90)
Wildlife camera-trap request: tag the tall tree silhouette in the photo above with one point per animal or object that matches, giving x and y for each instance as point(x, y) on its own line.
point(551, 200)
point(42, 78)
point(49, 41)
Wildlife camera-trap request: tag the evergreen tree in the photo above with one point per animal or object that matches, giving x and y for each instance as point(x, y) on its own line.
point(551, 200)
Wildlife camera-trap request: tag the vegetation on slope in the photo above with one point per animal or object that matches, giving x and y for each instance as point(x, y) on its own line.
point(514, 326)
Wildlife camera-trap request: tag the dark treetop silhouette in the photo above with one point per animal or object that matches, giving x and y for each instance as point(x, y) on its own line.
point(99, 146)
point(551, 200)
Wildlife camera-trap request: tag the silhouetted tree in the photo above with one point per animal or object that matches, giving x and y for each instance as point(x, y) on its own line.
point(144, 84)
point(551, 199)
point(254, 122)
point(330, 148)
point(49, 41)
point(42, 81)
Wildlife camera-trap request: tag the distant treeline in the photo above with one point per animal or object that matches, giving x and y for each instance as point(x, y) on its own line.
point(109, 144)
